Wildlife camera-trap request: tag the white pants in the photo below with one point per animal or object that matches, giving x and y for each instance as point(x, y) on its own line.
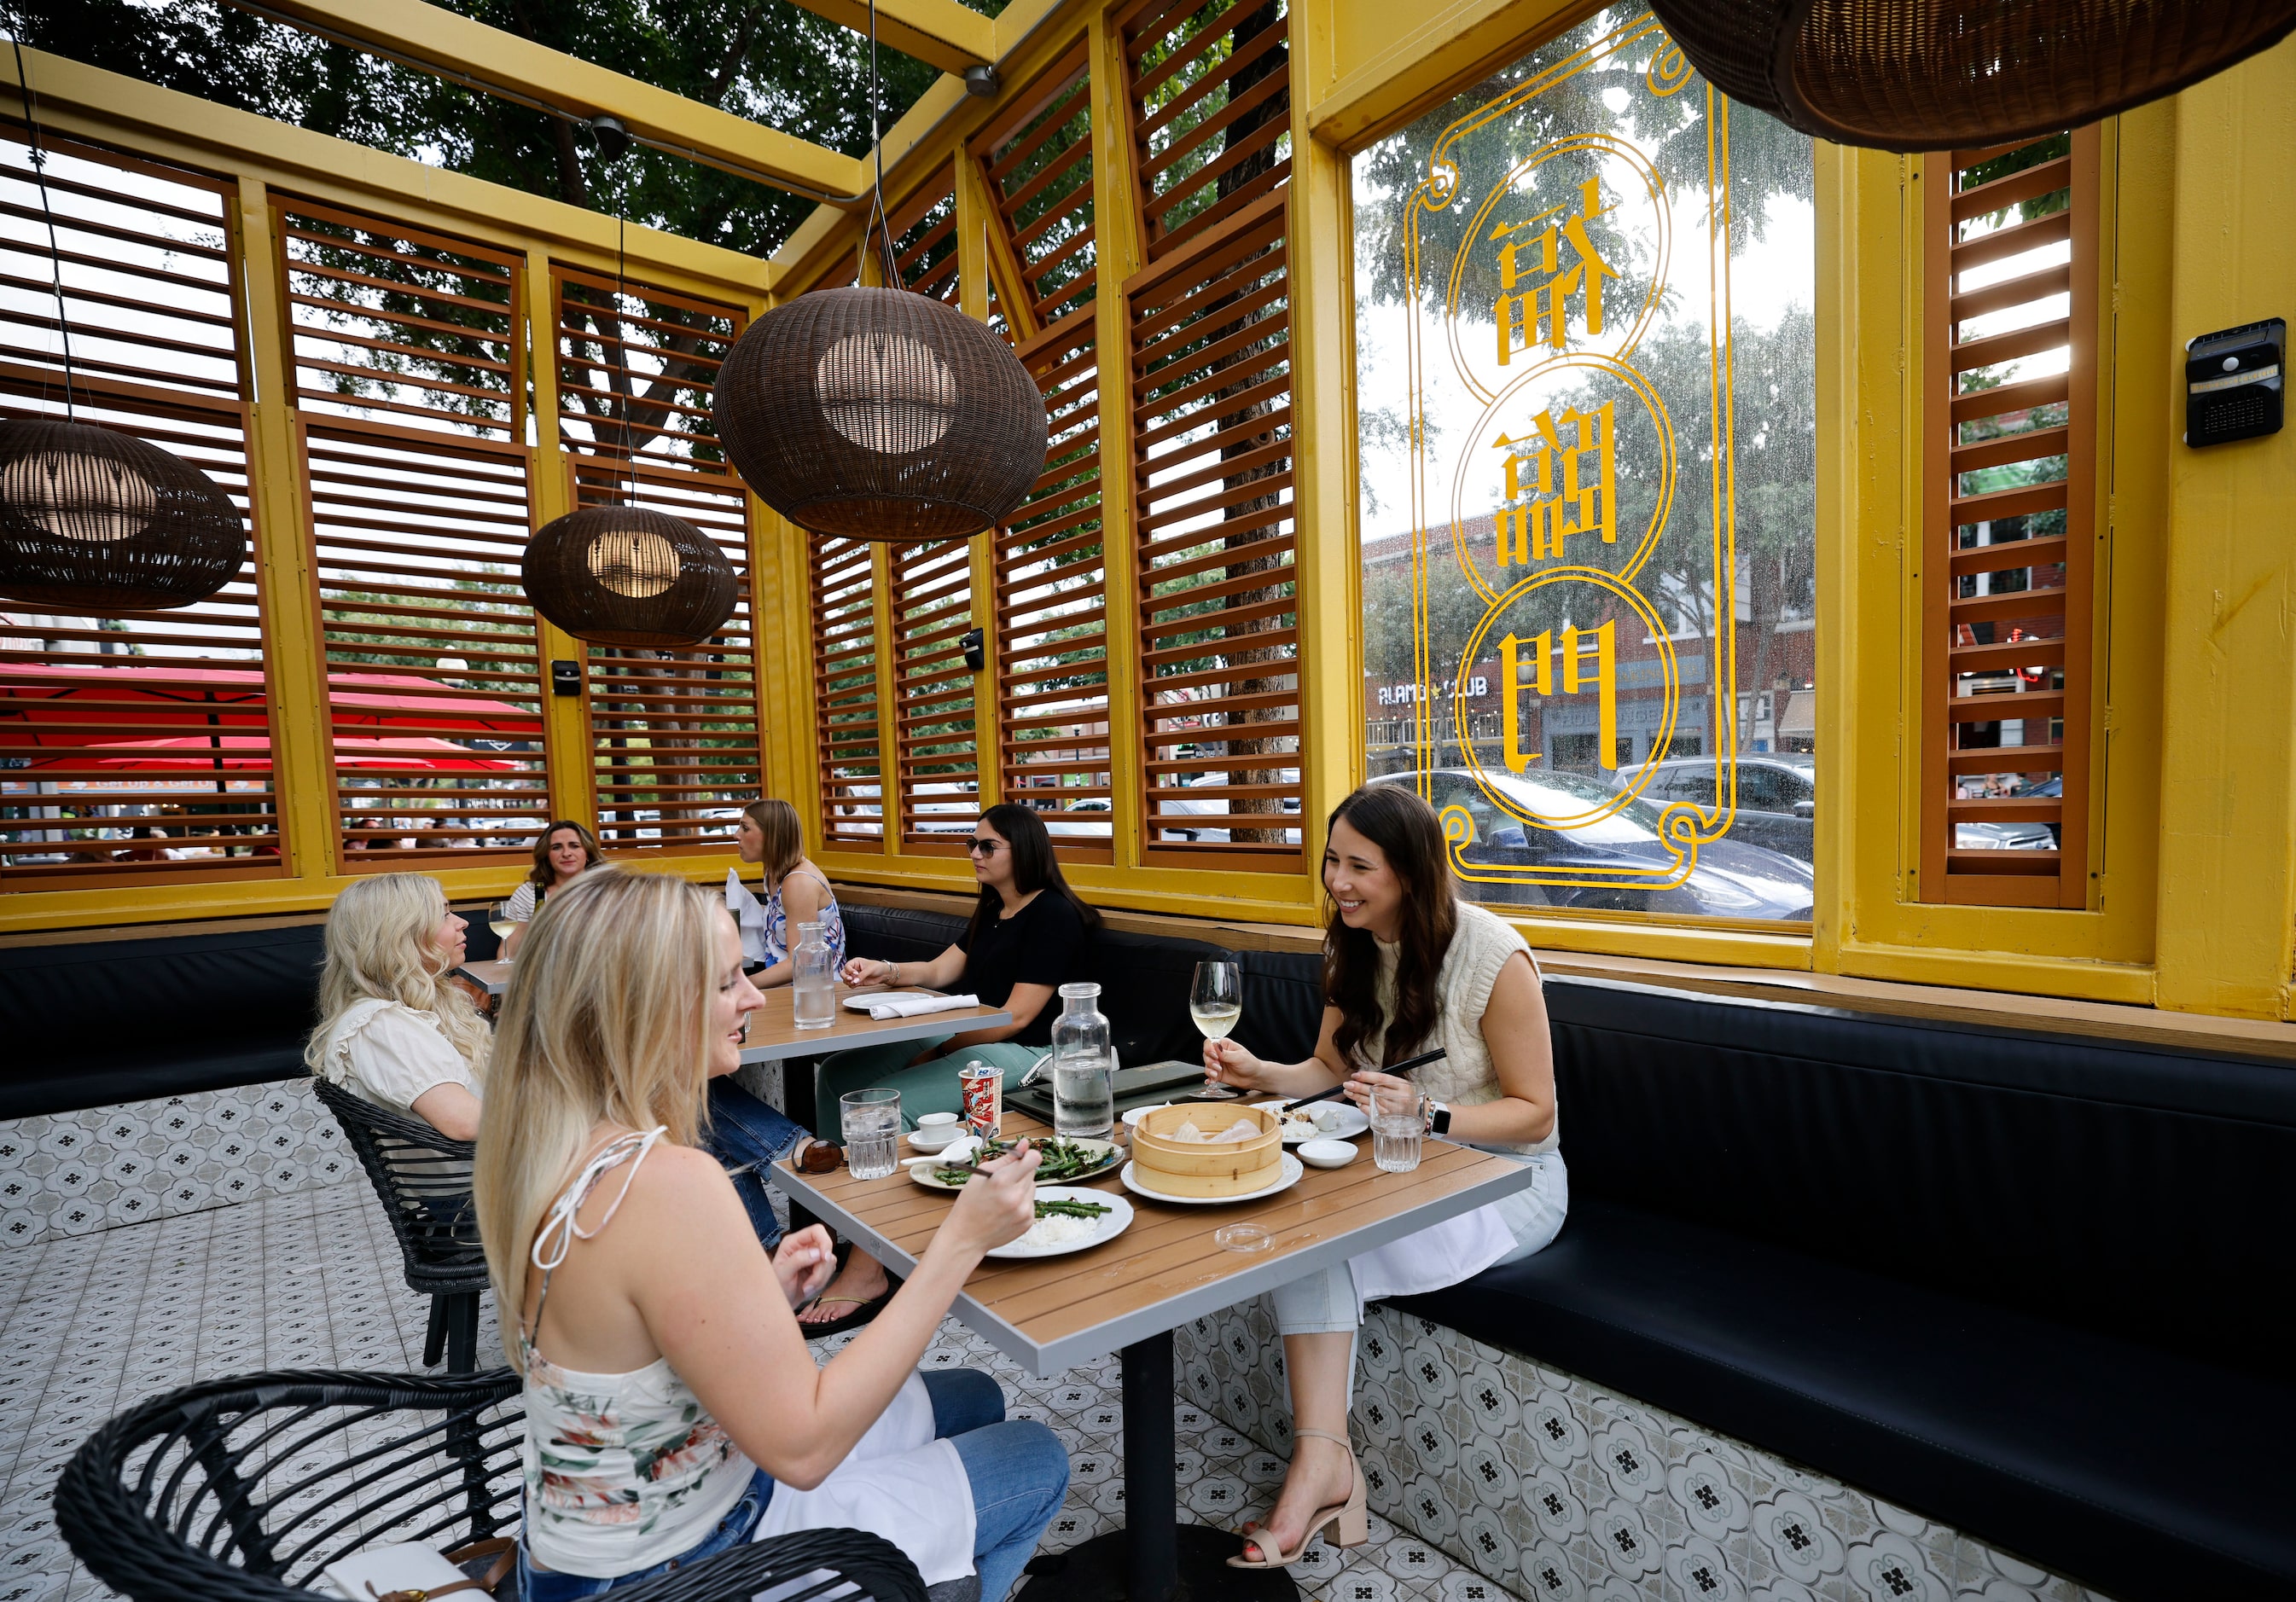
point(1324, 1301)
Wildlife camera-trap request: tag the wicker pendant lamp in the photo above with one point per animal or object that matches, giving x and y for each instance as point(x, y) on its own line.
point(1927, 75)
point(625, 575)
point(880, 414)
point(94, 522)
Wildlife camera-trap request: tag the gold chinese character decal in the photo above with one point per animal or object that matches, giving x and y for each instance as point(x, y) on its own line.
point(1578, 645)
point(1527, 315)
point(1570, 487)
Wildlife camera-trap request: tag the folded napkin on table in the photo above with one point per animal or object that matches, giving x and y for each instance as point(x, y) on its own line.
point(916, 1006)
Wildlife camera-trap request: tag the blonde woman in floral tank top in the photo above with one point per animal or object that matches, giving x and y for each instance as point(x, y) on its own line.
point(1408, 967)
point(673, 1409)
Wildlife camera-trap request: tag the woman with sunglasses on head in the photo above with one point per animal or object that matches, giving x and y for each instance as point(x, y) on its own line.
point(1029, 935)
point(1408, 968)
point(671, 1410)
point(562, 853)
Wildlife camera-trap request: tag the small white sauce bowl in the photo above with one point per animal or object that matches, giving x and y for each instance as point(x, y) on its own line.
point(1326, 1154)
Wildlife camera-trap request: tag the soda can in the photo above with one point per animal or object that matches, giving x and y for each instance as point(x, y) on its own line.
point(983, 1090)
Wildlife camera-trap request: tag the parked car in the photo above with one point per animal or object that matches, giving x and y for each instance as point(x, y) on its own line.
point(1731, 881)
point(1778, 795)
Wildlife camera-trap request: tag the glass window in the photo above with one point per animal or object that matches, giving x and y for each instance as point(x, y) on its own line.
point(1588, 507)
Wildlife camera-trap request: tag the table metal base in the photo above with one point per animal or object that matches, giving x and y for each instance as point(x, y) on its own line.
point(1097, 1571)
point(1154, 1558)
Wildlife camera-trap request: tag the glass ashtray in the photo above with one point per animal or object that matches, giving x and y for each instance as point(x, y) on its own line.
point(1243, 1237)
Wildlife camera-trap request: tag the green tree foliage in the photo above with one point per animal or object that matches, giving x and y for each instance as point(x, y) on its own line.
point(760, 58)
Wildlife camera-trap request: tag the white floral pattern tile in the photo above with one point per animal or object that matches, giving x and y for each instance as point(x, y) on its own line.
point(77, 1174)
point(1539, 1485)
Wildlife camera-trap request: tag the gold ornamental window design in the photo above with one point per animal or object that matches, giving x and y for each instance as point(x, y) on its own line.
point(1589, 508)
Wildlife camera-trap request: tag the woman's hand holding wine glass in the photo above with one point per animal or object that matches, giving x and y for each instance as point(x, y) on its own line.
point(1216, 1003)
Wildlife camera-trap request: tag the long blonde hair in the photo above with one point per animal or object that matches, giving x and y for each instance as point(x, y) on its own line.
point(381, 945)
point(606, 1021)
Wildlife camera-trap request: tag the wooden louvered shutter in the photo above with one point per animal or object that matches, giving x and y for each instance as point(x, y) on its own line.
point(134, 747)
point(1210, 379)
point(675, 732)
point(925, 238)
point(1050, 579)
point(404, 353)
point(2010, 471)
point(843, 588)
point(932, 693)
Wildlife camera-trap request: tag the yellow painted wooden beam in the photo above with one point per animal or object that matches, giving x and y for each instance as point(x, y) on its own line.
point(941, 33)
point(1387, 62)
point(435, 40)
point(127, 112)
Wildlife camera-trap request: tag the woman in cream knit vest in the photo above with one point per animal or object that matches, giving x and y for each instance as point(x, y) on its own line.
point(1408, 967)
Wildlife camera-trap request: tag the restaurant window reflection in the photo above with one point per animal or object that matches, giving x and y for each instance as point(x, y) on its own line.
point(1589, 514)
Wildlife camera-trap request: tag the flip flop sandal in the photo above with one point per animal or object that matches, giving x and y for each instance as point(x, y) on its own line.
point(865, 1309)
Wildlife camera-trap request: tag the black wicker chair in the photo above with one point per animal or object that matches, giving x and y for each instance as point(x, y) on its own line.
point(244, 1489)
point(424, 1181)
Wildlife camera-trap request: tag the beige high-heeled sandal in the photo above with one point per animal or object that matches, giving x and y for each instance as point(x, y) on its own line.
point(1353, 1517)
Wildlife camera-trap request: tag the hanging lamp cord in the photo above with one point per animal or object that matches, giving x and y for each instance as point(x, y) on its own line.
point(40, 159)
point(622, 346)
point(878, 219)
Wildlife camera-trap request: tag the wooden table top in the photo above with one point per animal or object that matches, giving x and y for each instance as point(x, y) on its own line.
point(1050, 1314)
point(774, 1034)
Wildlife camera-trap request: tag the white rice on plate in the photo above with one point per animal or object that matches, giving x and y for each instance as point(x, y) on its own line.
point(1060, 1228)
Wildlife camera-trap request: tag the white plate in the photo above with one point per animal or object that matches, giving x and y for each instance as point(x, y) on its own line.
point(1352, 1123)
point(922, 1172)
point(1293, 1170)
point(1114, 1223)
point(875, 998)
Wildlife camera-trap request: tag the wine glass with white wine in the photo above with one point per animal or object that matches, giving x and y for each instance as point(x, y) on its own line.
point(1216, 1001)
point(502, 923)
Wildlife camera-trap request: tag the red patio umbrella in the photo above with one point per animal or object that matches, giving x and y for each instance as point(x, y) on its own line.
point(406, 755)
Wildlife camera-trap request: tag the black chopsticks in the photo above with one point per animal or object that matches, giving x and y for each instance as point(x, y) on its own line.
point(1405, 1066)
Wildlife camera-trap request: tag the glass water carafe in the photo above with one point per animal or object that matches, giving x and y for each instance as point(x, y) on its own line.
point(1084, 1067)
point(813, 987)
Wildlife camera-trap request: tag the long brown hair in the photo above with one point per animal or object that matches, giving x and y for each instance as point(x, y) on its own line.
point(1407, 832)
point(1034, 868)
point(784, 840)
point(544, 875)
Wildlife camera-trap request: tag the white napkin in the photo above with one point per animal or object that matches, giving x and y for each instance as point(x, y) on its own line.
point(916, 1006)
point(750, 913)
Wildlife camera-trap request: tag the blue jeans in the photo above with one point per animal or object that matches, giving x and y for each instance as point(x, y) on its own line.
point(1018, 1470)
point(746, 1132)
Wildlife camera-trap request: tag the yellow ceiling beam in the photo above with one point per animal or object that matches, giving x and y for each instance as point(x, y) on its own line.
point(939, 32)
point(455, 47)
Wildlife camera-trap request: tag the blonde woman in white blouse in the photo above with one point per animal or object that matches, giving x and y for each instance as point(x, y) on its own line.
point(1408, 967)
point(393, 1028)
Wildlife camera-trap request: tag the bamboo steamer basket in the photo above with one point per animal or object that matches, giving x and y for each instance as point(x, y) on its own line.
point(1187, 1168)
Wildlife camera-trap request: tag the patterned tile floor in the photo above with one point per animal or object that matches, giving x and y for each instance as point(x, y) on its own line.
point(91, 1324)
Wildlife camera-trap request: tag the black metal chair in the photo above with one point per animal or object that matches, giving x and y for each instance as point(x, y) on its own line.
point(424, 1181)
point(244, 1489)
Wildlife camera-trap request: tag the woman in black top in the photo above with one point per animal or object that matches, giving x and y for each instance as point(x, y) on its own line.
point(1029, 935)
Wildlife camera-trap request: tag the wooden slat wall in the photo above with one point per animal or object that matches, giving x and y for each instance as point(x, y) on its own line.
point(925, 237)
point(675, 732)
point(136, 745)
point(1052, 612)
point(933, 694)
point(411, 404)
point(1210, 92)
point(2010, 473)
point(1211, 393)
point(845, 691)
point(433, 667)
point(390, 323)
